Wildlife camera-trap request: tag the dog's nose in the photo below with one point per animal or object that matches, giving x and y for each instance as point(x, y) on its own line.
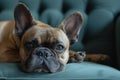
point(43, 52)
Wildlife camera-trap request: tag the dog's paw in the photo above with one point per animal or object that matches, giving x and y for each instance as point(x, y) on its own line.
point(77, 57)
point(99, 58)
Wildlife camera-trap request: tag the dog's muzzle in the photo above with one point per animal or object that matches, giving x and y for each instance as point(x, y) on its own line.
point(43, 59)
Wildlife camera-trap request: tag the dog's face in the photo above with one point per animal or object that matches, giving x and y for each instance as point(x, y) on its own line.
point(44, 48)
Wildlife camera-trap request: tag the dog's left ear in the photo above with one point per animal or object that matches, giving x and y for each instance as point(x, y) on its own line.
point(72, 25)
point(23, 19)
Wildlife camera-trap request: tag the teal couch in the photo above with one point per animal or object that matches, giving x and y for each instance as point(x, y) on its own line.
point(100, 34)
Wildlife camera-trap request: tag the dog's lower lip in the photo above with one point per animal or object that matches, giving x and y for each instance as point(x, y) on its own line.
point(41, 70)
point(38, 70)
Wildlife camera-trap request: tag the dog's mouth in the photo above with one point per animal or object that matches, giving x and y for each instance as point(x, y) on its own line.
point(43, 60)
point(30, 69)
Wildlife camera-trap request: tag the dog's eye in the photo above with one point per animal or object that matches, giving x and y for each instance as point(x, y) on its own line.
point(31, 44)
point(59, 47)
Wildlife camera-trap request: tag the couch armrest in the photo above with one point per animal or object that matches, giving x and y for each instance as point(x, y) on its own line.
point(117, 35)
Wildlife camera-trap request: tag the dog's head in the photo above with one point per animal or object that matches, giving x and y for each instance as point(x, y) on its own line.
point(42, 47)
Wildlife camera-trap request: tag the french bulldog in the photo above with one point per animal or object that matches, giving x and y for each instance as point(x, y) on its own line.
point(38, 46)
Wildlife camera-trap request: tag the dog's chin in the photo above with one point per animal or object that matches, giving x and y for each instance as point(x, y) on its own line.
point(50, 67)
point(51, 70)
point(30, 70)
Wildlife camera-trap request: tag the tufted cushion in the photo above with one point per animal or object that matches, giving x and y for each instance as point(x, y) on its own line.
point(99, 34)
point(6, 11)
point(100, 25)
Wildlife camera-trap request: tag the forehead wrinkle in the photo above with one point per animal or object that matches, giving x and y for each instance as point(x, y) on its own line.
point(51, 35)
point(44, 34)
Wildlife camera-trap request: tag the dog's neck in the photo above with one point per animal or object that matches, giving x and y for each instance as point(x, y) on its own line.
point(8, 29)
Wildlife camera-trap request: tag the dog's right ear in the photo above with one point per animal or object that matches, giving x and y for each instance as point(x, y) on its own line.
point(23, 19)
point(72, 25)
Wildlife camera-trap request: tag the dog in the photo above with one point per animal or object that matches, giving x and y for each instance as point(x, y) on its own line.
point(38, 46)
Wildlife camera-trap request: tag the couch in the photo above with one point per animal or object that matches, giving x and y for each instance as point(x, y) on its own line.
point(99, 34)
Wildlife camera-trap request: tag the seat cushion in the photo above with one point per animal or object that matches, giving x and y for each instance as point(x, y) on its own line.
point(85, 70)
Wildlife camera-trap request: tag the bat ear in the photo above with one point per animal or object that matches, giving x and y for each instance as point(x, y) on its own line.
point(71, 25)
point(23, 19)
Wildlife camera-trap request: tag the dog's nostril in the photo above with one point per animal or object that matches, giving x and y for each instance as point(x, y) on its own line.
point(43, 54)
point(39, 53)
point(47, 54)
